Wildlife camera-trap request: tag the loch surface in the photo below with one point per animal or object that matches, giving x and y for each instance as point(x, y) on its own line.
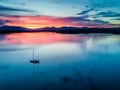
point(67, 61)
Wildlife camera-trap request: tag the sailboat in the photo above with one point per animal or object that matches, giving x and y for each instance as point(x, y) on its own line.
point(34, 61)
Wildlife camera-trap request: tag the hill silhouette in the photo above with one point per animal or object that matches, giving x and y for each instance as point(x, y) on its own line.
point(63, 30)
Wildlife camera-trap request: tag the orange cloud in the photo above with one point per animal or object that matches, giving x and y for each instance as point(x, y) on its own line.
point(37, 21)
point(49, 21)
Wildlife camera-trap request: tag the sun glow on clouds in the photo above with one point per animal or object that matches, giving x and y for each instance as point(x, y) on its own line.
point(36, 21)
point(47, 21)
point(47, 13)
point(50, 21)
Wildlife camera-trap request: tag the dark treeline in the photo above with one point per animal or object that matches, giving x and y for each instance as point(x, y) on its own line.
point(63, 30)
point(92, 30)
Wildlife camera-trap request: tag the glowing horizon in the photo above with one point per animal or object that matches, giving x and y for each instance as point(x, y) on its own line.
point(57, 13)
point(34, 22)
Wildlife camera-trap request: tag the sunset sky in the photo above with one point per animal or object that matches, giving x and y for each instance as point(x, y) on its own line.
point(58, 13)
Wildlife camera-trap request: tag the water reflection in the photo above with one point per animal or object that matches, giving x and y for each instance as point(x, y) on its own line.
point(68, 62)
point(91, 42)
point(46, 38)
point(36, 38)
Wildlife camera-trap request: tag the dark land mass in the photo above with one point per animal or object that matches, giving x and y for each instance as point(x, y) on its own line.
point(63, 30)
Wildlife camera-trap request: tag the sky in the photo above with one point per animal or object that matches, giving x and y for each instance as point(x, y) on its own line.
point(59, 13)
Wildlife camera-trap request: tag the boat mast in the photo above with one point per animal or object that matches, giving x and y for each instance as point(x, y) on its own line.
point(33, 54)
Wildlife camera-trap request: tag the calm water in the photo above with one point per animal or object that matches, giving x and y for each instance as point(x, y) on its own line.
point(67, 62)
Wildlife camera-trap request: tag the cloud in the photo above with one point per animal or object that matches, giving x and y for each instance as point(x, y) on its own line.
point(79, 18)
point(2, 23)
point(85, 11)
point(49, 21)
point(96, 6)
point(7, 10)
point(84, 19)
point(108, 14)
point(116, 19)
point(100, 21)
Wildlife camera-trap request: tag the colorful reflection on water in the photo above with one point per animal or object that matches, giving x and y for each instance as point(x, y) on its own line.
point(67, 62)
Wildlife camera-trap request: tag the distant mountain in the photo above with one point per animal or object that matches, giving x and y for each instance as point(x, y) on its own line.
point(12, 29)
point(64, 30)
point(89, 30)
point(76, 30)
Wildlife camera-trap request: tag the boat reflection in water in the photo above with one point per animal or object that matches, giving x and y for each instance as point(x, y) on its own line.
point(35, 61)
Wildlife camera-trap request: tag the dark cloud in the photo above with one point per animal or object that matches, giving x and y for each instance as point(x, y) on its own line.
point(85, 20)
point(108, 14)
point(7, 21)
point(85, 11)
point(2, 23)
point(5, 8)
point(100, 21)
point(80, 18)
point(107, 4)
point(6, 11)
point(95, 6)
